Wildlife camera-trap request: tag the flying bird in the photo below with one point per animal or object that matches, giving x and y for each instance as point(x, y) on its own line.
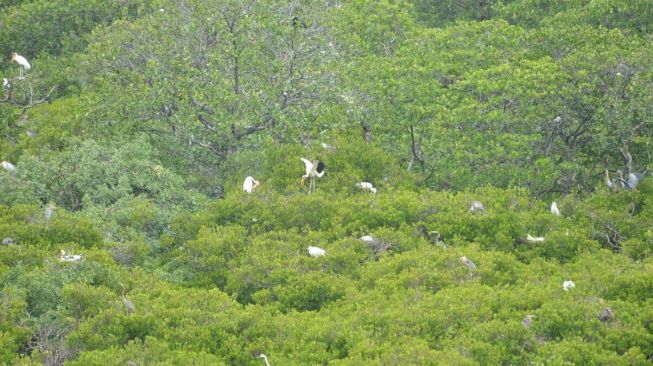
point(69, 257)
point(316, 252)
point(554, 209)
point(314, 170)
point(8, 167)
point(22, 63)
point(466, 261)
point(568, 285)
point(366, 185)
point(265, 358)
point(476, 206)
point(249, 184)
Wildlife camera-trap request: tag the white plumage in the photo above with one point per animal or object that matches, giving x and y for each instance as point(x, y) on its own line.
point(314, 170)
point(5, 83)
point(567, 285)
point(249, 184)
point(8, 167)
point(368, 186)
point(554, 209)
point(368, 238)
point(316, 252)
point(476, 206)
point(265, 358)
point(534, 239)
point(69, 257)
point(22, 63)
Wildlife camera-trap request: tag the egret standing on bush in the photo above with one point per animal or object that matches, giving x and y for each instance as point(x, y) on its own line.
point(366, 185)
point(554, 209)
point(313, 170)
point(249, 184)
point(8, 167)
point(22, 63)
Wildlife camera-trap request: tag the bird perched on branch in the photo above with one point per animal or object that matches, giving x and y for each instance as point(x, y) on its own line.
point(69, 257)
point(568, 285)
point(314, 170)
point(537, 239)
point(316, 252)
point(606, 315)
point(249, 184)
point(8, 167)
point(366, 185)
point(466, 261)
point(5, 83)
point(22, 63)
point(528, 319)
point(554, 209)
point(476, 206)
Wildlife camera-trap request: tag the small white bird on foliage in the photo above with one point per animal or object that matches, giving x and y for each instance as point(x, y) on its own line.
point(466, 261)
point(265, 358)
point(476, 206)
point(8, 167)
point(22, 63)
point(537, 239)
point(69, 257)
point(368, 238)
point(316, 252)
point(5, 83)
point(554, 209)
point(366, 185)
point(568, 285)
point(249, 184)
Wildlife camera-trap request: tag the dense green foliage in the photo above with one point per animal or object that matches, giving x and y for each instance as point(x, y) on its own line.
point(139, 121)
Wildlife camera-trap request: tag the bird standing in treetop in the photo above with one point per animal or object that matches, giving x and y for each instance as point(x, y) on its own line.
point(8, 167)
point(69, 257)
point(249, 184)
point(537, 239)
point(568, 285)
point(476, 206)
point(5, 83)
point(314, 170)
point(366, 185)
point(466, 261)
point(528, 319)
point(606, 315)
point(316, 252)
point(554, 209)
point(22, 63)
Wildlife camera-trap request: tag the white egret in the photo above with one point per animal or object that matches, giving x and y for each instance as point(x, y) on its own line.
point(8, 241)
point(69, 257)
point(606, 315)
point(265, 358)
point(8, 167)
point(366, 185)
point(476, 206)
point(633, 179)
point(22, 63)
point(568, 285)
point(5, 83)
point(314, 170)
point(249, 184)
point(554, 209)
point(368, 238)
point(466, 261)
point(528, 319)
point(316, 252)
point(49, 210)
point(537, 239)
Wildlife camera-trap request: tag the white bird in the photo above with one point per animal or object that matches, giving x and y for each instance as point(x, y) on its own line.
point(5, 83)
point(313, 170)
point(8, 167)
point(366, 185)
point(249, 184)
point(264, 357)
point(49, 210)
point(69, 257)
point(567, 285)
point(554, 209)
point(316, 252)
point(476, 206)
point(22, 63)
point(633, 179)
point(368, 239)
point(466, 261)
point(538, 239)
